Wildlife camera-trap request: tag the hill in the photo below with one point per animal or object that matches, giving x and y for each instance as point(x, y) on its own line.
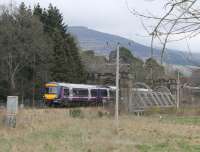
point(103, 43)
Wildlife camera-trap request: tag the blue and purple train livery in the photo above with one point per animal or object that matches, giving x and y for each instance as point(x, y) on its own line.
point(67, 93)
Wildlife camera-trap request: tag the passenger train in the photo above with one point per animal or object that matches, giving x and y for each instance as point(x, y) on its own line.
point(67, 94)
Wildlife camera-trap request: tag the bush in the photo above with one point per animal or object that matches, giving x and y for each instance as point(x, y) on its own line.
point(76, 113)
point(100, 114)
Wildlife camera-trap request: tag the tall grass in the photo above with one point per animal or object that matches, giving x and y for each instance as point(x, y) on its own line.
point(54, 130)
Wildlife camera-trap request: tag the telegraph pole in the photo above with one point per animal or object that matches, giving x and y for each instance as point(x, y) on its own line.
point(178, 91)
point(117, 87)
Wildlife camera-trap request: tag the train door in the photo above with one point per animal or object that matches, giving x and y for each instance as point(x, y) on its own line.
point(94, 95)
point(104, 93)
point(66, 93)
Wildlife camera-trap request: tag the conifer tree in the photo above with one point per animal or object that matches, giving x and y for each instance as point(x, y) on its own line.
point(65, 62)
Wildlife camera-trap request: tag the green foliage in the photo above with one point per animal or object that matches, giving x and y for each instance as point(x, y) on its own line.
point(161, 111)
point(65, 50)
point(125, 56)
point(100, 114)
point(23, 48)
point(92, 61)
point(76, 113)
point(139, 70)
point(181, 146)
point(136, 65)
point(186, 120)
point(153, 70)
point(36, 47)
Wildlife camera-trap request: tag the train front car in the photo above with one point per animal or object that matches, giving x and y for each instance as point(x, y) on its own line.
point(52, 93)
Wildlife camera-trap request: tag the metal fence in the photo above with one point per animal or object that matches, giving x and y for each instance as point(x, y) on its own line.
point(142, 97)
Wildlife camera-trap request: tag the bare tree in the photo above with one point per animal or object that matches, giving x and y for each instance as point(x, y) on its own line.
point(181, 21)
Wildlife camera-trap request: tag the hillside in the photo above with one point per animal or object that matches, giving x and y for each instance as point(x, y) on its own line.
point(104, 43)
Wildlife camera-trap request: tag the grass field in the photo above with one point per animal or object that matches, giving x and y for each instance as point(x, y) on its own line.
point(91, 130)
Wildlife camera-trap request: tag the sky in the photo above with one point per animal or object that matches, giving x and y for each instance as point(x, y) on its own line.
point(111, 16)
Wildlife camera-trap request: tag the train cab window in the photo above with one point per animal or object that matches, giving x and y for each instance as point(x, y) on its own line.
point(94, 92)
point(104, 93)
point(51, 90)
point(66, 91)
point(80, 92)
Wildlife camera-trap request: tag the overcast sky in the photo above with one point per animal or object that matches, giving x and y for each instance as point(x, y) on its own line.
point(110, 16)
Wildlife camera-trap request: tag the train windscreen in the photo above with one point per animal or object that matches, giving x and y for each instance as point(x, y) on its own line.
point(51, 90)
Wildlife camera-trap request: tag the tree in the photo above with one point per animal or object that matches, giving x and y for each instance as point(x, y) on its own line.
point(181, 21)
point(153, 69)
point(135, 64)
point(35, 48)
point(125, 55)
point(79, 71)
point(91, 61)
point(22, 41)
point(65, 51)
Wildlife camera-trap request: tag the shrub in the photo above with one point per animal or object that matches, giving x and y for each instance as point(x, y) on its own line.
point(100, 114)
point(76, 113)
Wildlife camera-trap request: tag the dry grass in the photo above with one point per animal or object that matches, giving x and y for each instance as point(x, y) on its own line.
point(94, 131)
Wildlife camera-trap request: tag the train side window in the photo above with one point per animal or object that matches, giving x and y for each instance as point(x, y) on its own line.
point(80, 92)
point(94, 92)
point(66, 91)
point(104, 93)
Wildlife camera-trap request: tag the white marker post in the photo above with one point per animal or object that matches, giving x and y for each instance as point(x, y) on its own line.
point(12, 109)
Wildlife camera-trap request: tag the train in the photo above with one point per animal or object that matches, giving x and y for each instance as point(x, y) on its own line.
point(65, 94)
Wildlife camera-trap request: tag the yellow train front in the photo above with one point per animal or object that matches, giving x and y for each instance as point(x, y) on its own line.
point(52, 93)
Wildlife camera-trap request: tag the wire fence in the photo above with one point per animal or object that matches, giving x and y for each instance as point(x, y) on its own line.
point(25, 103)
